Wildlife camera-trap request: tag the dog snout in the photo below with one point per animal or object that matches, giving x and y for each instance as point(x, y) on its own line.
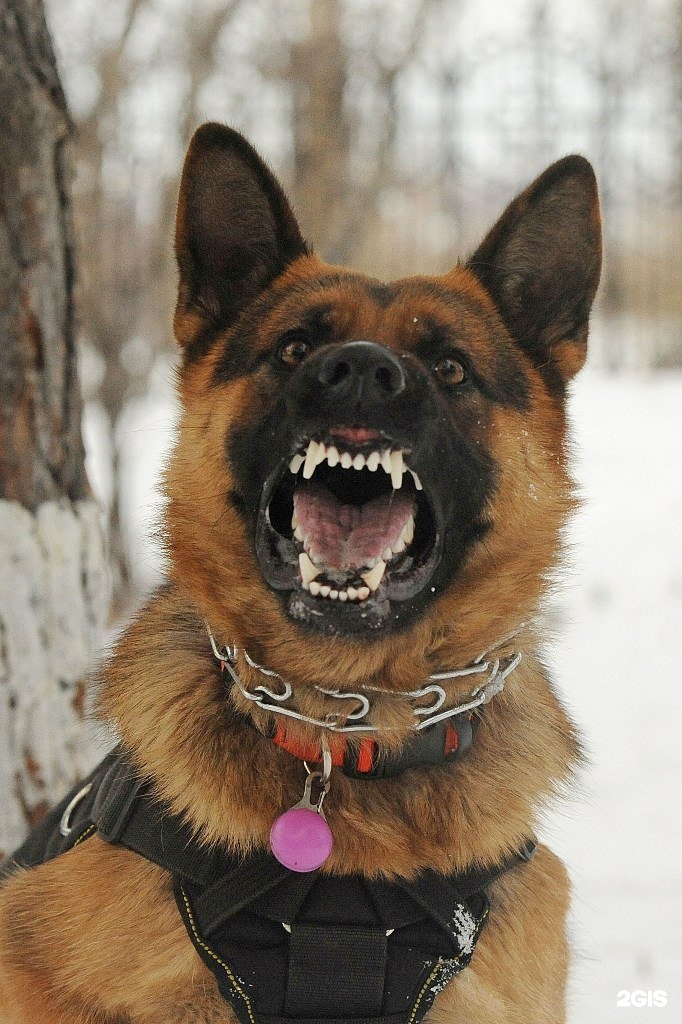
point(361, 372)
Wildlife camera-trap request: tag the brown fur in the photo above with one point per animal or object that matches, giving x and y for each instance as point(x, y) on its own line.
point(94, 937)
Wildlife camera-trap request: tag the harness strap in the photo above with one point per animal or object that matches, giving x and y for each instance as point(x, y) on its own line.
point(128, 814)
point(359, 956)
point(238, 890)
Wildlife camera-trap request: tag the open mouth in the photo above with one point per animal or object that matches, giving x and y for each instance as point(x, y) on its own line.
point(346, 521)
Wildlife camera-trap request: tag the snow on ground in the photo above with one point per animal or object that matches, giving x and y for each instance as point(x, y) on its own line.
point(617, 662)
point(618, 666)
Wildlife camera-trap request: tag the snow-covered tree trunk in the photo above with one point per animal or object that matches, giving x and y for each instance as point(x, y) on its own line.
point(53, 589)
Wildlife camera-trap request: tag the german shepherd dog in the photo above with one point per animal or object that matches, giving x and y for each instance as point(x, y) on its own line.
point(365, 508)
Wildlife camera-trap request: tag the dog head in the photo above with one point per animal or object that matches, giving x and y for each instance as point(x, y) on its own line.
point(359, 459)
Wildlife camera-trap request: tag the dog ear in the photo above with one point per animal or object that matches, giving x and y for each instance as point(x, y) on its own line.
point(235, 231)
point(541, 264)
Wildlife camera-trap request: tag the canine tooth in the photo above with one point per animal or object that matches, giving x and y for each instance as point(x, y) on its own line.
point(310, 460)
point(333, 457)
point(321, 454)
point(352, 593)
point(386, 461)
point(397, 470)
point(363, 593)
point(387, 555)
point(417, 481)
point(325, 591)
point(408, 530)
point(308, 570)
point(400, 546)
point(334, 594)
point(372, 461)
point(374, 576)
point(298, 534)
point(359, 462)
point(296, 463)
point(346, 460)
point(343, 596)
point(315, 588)
point(294, 521)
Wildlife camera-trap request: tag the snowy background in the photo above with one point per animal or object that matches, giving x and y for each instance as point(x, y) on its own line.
point(617, 661)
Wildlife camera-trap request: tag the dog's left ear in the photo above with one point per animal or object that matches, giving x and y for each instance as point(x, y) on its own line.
point(235, 231)
point(541, 264)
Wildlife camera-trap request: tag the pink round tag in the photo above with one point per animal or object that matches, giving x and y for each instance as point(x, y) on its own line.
point(301, 840)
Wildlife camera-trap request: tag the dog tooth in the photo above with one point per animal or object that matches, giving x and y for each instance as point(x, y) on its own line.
point(346, 460)
point(374, 576)
point(352, 593)
point(294, 521)
point(408, 530)
point(397, 470)
point(387, 555)
point(400, 546)
point(321, 454)
point(359, 462)
point(386, 462)
point(315, 588)
point(325, 590)
point(306, 586)
point(334, 594)
point(417, 481)
point(308, 570)
point(298, 534)
point(333, 457)
point(372, 461)
point(363, 593)
point(296, 463)
point(343, 596)
point(310, 460)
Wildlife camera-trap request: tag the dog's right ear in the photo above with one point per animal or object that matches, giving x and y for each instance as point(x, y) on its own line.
point(235, 231)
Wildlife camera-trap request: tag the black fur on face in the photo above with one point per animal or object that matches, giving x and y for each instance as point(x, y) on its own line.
point(440, 427)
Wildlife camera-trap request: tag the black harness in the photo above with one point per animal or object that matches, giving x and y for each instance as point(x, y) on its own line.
point(284, 947)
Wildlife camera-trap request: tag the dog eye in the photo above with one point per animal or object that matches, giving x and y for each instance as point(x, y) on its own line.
point(450, 371)
point(293, 351)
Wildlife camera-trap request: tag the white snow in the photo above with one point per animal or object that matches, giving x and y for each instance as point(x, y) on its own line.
point(618, 666)
point(617, 662)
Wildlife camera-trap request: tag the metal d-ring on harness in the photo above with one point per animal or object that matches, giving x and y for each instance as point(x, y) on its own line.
point(496, 669)
point(65, 826)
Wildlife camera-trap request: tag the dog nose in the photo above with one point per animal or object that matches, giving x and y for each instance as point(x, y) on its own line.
point(362, 370)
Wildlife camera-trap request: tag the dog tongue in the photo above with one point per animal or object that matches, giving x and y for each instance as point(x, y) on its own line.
point(348, 536)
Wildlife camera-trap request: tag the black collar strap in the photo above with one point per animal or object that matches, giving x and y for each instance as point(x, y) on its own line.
point(443, 742)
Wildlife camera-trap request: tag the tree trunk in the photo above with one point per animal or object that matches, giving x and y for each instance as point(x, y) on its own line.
point(320, 129)
point(53, 590)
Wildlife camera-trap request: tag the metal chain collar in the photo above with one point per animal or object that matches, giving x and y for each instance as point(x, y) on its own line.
point(496, 669)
